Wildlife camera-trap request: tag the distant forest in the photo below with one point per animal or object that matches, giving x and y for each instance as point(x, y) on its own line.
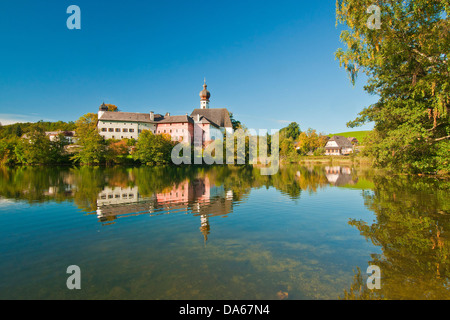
point(19, 129)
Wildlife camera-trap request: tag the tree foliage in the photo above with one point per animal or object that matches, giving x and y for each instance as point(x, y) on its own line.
point(235, 123)
point(19, 129)
point(153, 149)
point(112, 107)
point(292, 131)
point(310, 141)
point(406, 61)
point(92, 148)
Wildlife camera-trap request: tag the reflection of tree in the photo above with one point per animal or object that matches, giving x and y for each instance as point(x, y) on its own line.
point(152, 180)
point(83, 184)
point(89, 182)
point(35, 184)
point(412, 228)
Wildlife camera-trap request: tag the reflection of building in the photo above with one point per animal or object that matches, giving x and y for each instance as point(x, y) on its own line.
point(117, 195)
point(339, 176)
point(199, 196)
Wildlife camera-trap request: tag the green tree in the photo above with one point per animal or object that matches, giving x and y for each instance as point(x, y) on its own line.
point(406, 61)
point(153, 149)
point(235, 123)
point(36, 148)
point(18, 131)
point(92, 148)
point(8, 155)
point(291, 131)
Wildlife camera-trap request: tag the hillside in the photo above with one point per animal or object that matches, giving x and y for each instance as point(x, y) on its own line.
point(357, 134)
point(18, 129)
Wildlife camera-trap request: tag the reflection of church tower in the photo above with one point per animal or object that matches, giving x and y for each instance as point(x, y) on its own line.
point(204, 228)
point(204, 97)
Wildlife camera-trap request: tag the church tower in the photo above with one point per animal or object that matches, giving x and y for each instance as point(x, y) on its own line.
point(103, 108)
point(204, 97)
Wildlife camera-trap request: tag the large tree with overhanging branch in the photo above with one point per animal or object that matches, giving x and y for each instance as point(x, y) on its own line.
point(406, 61)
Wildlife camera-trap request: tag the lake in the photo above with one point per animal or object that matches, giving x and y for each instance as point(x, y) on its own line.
point(308, 232)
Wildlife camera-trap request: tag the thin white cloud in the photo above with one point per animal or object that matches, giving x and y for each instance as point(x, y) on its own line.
point(283, 121)
point(10, 118)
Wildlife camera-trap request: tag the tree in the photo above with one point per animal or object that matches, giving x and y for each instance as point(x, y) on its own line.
point(153, 149)
point(406, 61)
point(310, 141)
point(92, 145)
point(36, 148)
point(117, 150)
point(235, 123)
point(18, 131)
point(112, 107)
point(8, 155)
point(291, 131)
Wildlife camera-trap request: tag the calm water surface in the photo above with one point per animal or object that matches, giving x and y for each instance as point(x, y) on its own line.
point(222, 233)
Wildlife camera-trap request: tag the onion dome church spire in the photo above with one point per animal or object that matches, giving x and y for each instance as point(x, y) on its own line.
point(204, 97)
point(102, 109)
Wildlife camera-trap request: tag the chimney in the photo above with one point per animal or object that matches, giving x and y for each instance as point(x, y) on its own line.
point(198, 117)
point(167, 114)
point(152, 116)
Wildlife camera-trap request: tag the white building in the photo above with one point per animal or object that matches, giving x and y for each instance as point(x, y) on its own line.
point(205, 123)
point(338, 145)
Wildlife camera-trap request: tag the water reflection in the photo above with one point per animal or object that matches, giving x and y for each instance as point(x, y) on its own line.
point(93, 189)
point(410, 226)
point(340, 176)
point(199, 196)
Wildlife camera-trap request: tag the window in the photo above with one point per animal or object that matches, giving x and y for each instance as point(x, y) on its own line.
point(164, 131)
point(111, 130)
point(131, 130)
point(125, 130)
point(103, 129)
point(170, 131)
point(139, 130)
point(117, 129)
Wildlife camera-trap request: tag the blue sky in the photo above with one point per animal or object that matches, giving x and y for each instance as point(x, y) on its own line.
point(268, 62)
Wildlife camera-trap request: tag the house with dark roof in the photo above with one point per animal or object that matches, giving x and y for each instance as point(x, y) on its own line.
point(219, 117)
point(353, 140)
point(338, 146)
point(204, 124)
